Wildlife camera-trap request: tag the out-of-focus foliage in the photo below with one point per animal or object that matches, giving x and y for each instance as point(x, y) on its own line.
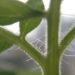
point(28, 25)
point(12, 11)
point(4, 43)
point(28, 72)
point(4, 72)
point(38, 5)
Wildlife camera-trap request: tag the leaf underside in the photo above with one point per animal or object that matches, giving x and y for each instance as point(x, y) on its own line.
point(12, 11)
point(28, 25)
point(4, 44)
point(37, 5)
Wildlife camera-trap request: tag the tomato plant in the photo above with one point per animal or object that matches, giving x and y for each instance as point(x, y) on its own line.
point(30, 15)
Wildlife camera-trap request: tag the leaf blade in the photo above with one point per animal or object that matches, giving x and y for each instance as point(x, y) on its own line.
point(12, 11)
point(38, 5)
point(4, 44)
point(28, 25)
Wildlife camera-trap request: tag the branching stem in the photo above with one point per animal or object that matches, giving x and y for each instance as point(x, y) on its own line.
point(24, 45)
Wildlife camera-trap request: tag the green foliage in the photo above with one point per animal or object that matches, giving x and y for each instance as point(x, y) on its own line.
point(5, 72)
point(29, 15)
point(4, 43)
point(38, 5)
point(12, 11)
point(28, 25)
point(29, 72)
point(67, 39)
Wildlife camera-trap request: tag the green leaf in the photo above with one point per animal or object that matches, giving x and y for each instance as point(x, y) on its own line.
point(13, 10)
point(29, 72)
point(4, 44)
point(37, 5)
point(6, 72)
point(28, 25)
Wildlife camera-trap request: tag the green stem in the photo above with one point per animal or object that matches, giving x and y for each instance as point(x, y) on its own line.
point(51, 67)
point(67, 39)
point(24, 45)
point(53, 27)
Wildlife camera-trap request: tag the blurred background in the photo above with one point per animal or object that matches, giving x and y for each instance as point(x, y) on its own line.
point(14, 61)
